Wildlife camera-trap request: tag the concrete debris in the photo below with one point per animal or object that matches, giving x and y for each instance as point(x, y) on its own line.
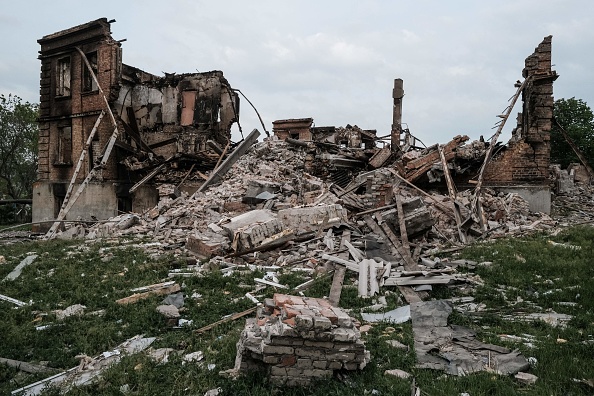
point(298, 339)
point(89, 368)
point(313, 199)
point(398, 315)
point(525, 378)
point(16, 272)
point(73, 310)
point(397, 373)
point(454, 349)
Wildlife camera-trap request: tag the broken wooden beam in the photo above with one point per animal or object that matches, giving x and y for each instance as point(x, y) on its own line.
point(452, 193)
point(348, 264)
point(231, 159)
point(225, 320)
point(338, 279)
point(24, 366)
point(12, 300)
point(152, 290)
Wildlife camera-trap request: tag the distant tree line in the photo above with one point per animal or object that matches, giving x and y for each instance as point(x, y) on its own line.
point(18, 155)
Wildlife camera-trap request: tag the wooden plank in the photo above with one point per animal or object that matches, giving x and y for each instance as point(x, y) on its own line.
point(402, 225)
point(418, 280)
point(452, 193)
point(24, 366)
point(231, 159)
point(438, 204)
point(363, 278)
point(12, 300)
point(338, 279)
point(142, 296)
point(409, 294)
point(348, 264)
point(104, 155)
point(477, 205)
point(373, 283)
point(148, 177)
point(355, 253)
point(77, 170)
point(408, 263)
point(269, 283)
point(227, 319)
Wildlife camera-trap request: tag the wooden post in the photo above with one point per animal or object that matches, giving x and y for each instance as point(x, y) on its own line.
point(452, 193)
point(477, 205)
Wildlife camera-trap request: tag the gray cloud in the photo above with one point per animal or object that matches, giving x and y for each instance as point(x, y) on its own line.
point(334, 60)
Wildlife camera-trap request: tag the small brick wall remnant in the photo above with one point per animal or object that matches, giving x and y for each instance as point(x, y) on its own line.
point(298, 339)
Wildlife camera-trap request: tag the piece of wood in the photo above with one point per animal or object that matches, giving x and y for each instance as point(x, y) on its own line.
point(225, 320)
point(338, 279)
point(438, 204)
point(373, 283)
point(217, 175)
point(153, 287)
point(187, 174)
point(356, 254)
point(348, 264)
point(403, 233)
point(142, 296)
point(363, 278)
point(370, 211)
point(409, 294)
point(270, 283)
point(418, 280)
point(408, 263)
point(12, 300)
point(24, 366)
point(452, 193)
point(476, 203)
point(148, 177)
point(78, 168)
point(67, 205)
point(222, 155)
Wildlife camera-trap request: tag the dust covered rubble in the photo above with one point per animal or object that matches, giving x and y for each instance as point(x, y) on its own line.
point(271, 177)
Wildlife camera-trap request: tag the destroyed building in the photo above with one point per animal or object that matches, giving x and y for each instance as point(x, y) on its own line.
point(105, 125)
point(521, 166)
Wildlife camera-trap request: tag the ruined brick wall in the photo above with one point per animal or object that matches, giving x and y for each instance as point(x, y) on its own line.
point(527, 157)
point(298, 128)
point(75, 107)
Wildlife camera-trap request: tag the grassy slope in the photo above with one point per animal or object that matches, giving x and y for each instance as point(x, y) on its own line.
point(66, 273)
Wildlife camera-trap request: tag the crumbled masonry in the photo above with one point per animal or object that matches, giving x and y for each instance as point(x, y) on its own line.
point(126, 153)
point(299, 339)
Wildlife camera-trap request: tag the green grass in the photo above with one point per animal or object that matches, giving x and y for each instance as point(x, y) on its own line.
point(528, 275)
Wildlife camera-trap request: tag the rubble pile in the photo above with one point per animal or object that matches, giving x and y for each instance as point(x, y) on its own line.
point(299, 339)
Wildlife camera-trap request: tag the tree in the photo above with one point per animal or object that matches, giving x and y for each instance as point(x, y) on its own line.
point(18, 147)
point(577, 119)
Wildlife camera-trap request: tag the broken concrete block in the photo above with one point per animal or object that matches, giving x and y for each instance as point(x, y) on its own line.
point(207, 244)
point(525, 378)
point(257, 190)
point(168, 190)
point(250, 229)
point(169, 311)
point(313, 218)
point(397, 373)
point(76, 309)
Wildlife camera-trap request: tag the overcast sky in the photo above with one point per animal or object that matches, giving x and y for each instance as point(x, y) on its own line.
point(334, 61)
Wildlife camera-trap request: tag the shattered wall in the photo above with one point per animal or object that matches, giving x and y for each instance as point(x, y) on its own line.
point(527, 156)
point(158, 118)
